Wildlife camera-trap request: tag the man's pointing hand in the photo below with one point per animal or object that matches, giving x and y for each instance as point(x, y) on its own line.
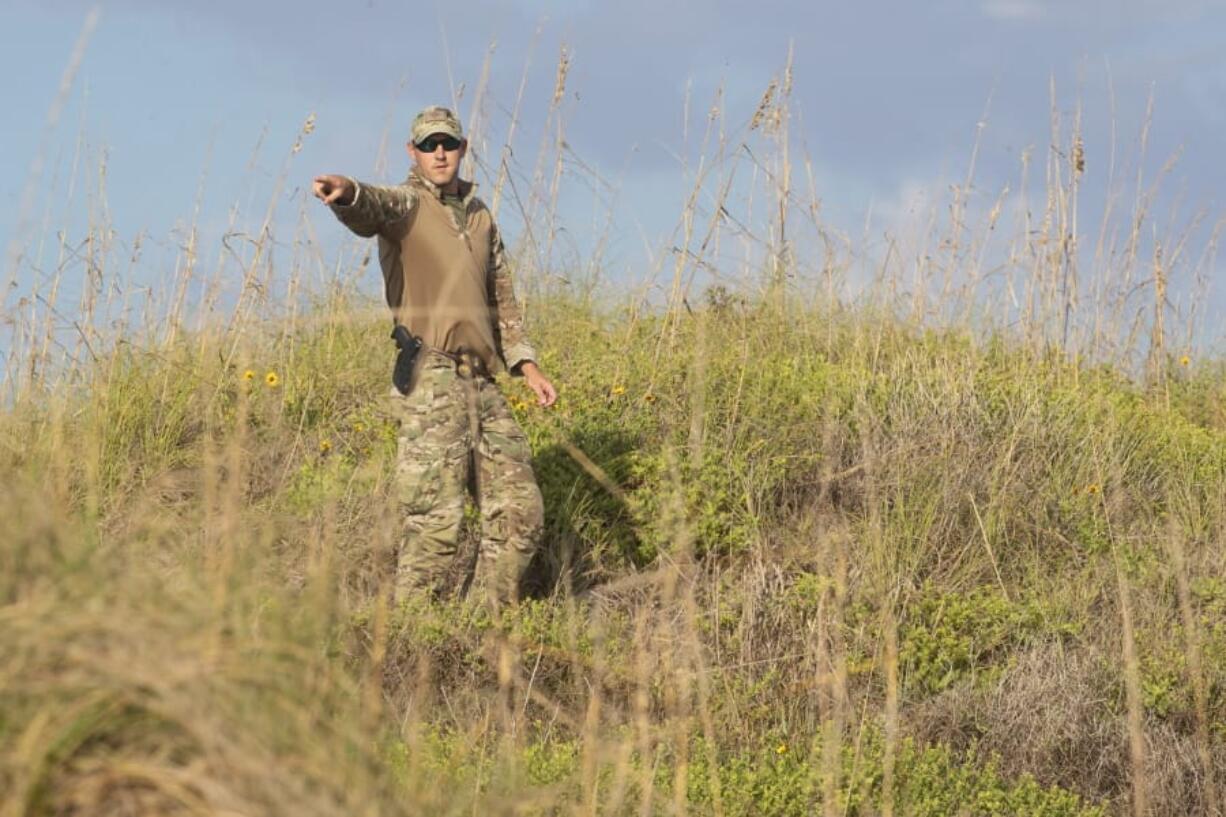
point(338, 190)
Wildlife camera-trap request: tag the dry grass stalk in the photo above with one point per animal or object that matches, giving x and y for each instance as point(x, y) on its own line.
point(890, 631)
point(1132, 676)
point(1196, 668)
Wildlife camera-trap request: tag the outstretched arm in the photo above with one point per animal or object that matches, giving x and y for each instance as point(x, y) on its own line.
point(366, 209)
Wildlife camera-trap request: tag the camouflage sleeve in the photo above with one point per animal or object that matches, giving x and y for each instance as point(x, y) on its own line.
point(375, 208)
point(508, 317)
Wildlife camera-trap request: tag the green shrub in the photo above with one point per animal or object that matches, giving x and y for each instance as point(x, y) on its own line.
point(946, 637)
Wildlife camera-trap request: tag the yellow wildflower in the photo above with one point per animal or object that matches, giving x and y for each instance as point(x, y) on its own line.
point(618, 390)
point(359, 427)
point(272, 380)
point(649, 397)
point(249, 375)
point(1093, 488)
point(325, 446)
point(1185, 360)
point(781, 749)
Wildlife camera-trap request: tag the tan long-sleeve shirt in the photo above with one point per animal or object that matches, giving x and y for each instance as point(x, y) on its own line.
point(445, 279)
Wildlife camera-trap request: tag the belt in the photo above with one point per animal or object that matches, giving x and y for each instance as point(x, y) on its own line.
point(465, 363)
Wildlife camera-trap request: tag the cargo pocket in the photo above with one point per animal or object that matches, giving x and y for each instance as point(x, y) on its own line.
point(416, 482)
point(503, 440)
point(506, 445)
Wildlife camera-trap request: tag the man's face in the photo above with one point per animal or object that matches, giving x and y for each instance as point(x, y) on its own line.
point(434, 161)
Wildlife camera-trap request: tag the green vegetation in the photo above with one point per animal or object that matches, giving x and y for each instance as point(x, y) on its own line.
point(929, 526)
point(798, 561)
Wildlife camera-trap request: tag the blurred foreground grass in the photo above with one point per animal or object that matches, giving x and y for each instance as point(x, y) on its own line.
point(798, 561)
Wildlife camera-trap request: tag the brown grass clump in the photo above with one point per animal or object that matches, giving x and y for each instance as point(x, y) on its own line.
point(137, 691)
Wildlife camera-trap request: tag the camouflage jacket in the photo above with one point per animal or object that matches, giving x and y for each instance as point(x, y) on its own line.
point(445, 278)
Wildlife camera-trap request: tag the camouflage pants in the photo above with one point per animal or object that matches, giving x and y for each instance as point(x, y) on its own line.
point(457, 433)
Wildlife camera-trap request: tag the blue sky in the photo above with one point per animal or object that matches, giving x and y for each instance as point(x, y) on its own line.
point(183, 97)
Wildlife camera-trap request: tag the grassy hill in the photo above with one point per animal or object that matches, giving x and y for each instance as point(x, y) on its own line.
point(799, 560)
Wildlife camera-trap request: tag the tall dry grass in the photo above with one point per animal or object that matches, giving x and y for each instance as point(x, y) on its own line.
point(915, 549)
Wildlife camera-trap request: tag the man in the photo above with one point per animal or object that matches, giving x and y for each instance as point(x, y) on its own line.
point(446, 281)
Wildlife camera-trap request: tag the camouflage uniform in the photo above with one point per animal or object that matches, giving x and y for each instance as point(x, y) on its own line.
point(457, 432)
point(447, 281)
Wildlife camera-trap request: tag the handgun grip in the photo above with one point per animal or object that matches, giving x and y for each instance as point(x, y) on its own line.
point(406, 358)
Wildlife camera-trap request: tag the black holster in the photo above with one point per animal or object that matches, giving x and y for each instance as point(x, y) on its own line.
point(406, 358)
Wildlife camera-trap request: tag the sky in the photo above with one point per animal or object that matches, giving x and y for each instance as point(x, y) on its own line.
point(188, 111)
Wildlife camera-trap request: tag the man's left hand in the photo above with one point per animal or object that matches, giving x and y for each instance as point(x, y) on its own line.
point(546, 394)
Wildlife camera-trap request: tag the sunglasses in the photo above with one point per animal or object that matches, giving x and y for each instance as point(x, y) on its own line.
point(431, 143)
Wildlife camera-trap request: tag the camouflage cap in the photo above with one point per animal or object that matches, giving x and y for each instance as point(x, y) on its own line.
point(435, 119)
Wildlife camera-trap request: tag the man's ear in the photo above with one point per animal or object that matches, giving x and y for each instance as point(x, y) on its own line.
point(408, 148)
point(463, 148)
